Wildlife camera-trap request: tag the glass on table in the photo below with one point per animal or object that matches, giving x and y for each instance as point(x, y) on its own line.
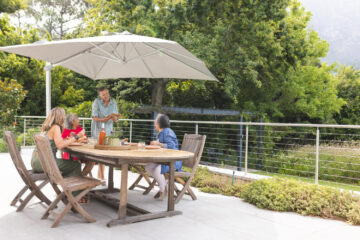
point(91, 141)
point(141, 145)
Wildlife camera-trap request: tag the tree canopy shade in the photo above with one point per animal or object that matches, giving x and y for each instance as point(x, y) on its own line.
point(349, 90)
point(257, 49)
point(265, 57)
point(10, 6)
point(56, 17)
point(11, 96)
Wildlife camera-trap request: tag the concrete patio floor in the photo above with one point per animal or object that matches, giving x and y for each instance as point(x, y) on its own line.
point(210, 217)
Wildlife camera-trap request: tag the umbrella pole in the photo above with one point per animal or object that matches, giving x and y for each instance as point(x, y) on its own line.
point(48, 68)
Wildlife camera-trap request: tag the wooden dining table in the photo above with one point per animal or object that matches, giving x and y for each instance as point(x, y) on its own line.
point(128, 213)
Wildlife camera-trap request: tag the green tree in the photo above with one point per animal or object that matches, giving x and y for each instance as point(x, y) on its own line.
point(255, 48)
point(11, 96)
point(349, 90)
point(54, 17)
point(10, 6)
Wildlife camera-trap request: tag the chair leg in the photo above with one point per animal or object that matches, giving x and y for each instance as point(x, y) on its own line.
point(19, 195)
point(136, 182)
point(53, 205)
point(61, 216)
point(80, 209)
point(185, 188)
point(57, 191)
point(152, 185)
point(192, 194)
point(142, 174)
point(40, 195)
point(177, 191)
point(26, 200)
point(73, 202)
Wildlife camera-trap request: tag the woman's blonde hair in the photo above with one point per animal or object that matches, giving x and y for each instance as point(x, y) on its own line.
point(56, 117)
point(70, 119)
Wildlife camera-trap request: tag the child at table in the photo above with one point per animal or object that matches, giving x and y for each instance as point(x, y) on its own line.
point(166, 139)
point(72, 128)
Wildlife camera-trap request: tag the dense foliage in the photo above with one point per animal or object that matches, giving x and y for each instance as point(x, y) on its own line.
point(11, 96)
point(285, 195)
point(266, 59)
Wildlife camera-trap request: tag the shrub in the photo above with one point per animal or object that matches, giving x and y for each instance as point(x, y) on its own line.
point(284, 195)
point(29, 136)
point(3, 146)
point(306, 199)
point(214, 183)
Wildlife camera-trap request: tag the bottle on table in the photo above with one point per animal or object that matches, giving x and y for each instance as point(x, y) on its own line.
point(102, 134)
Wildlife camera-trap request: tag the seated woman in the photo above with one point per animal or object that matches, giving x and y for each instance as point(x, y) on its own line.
point(52, 127)
point(72, 128)
point(166, 139)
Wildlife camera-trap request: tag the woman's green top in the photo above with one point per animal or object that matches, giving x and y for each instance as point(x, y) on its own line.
point(35, 161)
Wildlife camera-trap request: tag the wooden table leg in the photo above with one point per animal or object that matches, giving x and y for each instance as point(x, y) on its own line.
point(111, 178)
point(123, 192)
point(171, 201)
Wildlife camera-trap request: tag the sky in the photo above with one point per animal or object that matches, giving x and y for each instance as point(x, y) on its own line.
point(337, 22)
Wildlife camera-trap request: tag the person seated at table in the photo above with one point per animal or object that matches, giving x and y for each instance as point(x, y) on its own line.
point(52, 127)
point(72, 128)
point(166, 139)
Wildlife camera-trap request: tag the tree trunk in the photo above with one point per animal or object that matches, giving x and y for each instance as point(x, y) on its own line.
point(158, 92)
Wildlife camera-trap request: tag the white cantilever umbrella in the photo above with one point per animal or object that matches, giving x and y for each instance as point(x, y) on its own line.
point(119, 55)
point(122, 55)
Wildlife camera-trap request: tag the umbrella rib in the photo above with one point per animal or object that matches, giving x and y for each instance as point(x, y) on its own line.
point(102, 50)
point(147, 67)
point(101, 68)
point(184, 62)
point(176, 53)
point(116, 51)
point(74, 55)
point(107, 58)
point(146, 55)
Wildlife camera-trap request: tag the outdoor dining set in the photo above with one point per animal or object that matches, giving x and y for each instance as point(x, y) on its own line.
point(190, 153)
point(111, 56)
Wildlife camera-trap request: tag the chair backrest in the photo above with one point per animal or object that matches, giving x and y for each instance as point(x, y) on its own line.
point(47, 159)
point(193, 143)
point(16, 157)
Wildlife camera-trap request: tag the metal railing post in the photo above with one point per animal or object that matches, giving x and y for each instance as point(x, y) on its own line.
point(83, 123)
point(130, 137)
point(239, 163)
point(259, 143)
point(24, 131)
point(246, 148)
point(196, 128)
point(317, 156)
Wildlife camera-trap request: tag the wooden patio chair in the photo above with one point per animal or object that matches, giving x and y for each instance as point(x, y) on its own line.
point(68, 185)
point(195, 144)
point(28, 176)
point(192, 143)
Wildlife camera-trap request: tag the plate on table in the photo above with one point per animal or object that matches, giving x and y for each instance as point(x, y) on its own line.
point(76, 144)
point(132, 144)
point(109, 147)
point(152, 147)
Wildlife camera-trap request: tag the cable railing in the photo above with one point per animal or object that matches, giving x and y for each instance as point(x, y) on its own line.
point(316, 152)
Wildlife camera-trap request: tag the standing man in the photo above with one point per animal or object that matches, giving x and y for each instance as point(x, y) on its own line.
point(104, 110)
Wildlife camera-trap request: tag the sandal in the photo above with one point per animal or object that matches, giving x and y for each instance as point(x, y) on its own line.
point(84, 200)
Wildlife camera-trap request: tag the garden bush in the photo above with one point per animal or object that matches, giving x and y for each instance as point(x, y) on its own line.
point(285, 195)
point(3, 146)
point(29, 136)
point(304, 198)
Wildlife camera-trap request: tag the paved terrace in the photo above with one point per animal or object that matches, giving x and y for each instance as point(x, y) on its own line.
point(210, 217)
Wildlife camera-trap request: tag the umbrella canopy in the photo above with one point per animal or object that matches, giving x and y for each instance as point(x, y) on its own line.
point(121, 55)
